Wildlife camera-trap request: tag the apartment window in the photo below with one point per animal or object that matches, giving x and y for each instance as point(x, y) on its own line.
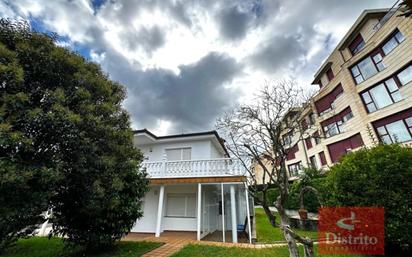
point(405, 76)
point(393, 42)
point(329, 74)
point(304, 124)
point(313, 163)
point(322, 158)
point(308, 142)
point(291, 152)
point(396, 132)
point(178, 154)
point(357, 44)
point(334, 125)
point(312, 119)
point(336, 150)
point(381, 95)
point(181, 205)
point(294, 169)
point(326, 103)
point(367, 67)
point(287, 139)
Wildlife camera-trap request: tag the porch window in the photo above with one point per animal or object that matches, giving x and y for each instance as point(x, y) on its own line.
point(181, 205)
point(178, 154)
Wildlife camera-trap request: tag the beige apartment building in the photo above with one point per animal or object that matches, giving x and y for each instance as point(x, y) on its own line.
point(365, 94)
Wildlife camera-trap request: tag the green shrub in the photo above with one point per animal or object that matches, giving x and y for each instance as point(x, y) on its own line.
point(380, 176)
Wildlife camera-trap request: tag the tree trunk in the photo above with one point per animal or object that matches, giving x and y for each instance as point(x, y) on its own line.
point(308, 250)
point(271, 217)
point(284, 222)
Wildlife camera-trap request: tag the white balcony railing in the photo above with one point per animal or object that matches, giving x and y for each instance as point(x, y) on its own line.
point(194, 168)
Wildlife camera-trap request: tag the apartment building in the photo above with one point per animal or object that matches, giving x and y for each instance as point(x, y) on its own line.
point(364, 97)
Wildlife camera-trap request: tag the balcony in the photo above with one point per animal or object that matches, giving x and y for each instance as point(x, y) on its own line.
point(194, 168)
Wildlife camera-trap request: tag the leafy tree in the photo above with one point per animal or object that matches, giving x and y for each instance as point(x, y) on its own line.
point(380, 176)
point(26, 176)
point(61, 115)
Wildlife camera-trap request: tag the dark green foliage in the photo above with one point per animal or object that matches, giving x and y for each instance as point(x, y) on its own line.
point(380, 176)
point(63, 127)
point(312, 177)
point(26, 176)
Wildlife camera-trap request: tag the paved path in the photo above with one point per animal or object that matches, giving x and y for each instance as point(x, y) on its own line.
point(174, 241)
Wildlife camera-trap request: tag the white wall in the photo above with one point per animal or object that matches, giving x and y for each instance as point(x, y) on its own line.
point(214, 152)
point(200, 149)
point(147, 223)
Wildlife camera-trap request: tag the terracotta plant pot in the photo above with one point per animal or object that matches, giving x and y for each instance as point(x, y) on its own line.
point(303, 214)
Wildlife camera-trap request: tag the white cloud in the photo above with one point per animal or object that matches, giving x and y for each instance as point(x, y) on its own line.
point(158, 47)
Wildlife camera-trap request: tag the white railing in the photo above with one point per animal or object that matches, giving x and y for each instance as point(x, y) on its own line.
point(194, 168)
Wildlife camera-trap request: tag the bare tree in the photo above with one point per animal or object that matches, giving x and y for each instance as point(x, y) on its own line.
point(255, 131)
point(406, 8)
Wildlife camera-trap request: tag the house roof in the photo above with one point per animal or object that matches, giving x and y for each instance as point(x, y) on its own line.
point(151, 138)
point(350, 35)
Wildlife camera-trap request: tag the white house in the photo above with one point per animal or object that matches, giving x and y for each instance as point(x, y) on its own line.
point(194, 186)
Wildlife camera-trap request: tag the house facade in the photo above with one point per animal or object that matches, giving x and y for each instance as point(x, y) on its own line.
point(364, 97)
point(194, 186)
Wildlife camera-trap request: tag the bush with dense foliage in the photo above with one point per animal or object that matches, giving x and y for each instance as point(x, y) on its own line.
point(380, 176)
point(66, 143)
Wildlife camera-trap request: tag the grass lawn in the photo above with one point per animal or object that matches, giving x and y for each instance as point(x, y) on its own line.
point(267, 234)
point(207, 251)
point(43, 247)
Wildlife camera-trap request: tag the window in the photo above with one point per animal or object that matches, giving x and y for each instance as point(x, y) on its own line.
point(287, 139)
point(311, 118)
point(398, 131)
point(357, 44)
point(326, 103)
point(382, 95)
point(294, 169)
point(337, 149)
point(393, 42)
point(179, 154)
point(308, 142)
point(367, 67)
point(405, 76)
point(322, 158)
point(181, 205)
point(329, 74)
point(291, 152)
point(334, 125)
point(312, 160)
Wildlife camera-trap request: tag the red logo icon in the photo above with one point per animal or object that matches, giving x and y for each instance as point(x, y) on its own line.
point(351, 230)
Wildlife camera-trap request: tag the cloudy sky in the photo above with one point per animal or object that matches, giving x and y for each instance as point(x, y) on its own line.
point(185, 62)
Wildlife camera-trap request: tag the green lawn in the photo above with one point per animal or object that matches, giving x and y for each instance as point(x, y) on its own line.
point(207, 251)
point(268, 234)
point(43, 247)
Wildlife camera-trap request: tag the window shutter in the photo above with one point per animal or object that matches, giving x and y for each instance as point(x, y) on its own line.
point(336, 150)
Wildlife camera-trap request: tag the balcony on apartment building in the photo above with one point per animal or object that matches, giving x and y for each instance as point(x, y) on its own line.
point(194, 168)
